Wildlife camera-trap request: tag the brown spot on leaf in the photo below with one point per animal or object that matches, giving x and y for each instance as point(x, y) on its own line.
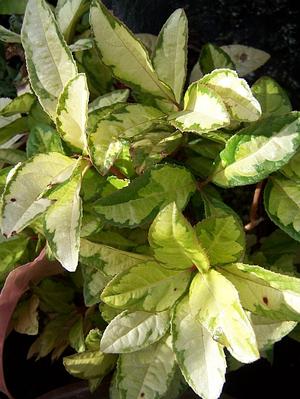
point(243, 57)
point(142, 394)
point(265, 299)
point(175, 289)
point(13, 200)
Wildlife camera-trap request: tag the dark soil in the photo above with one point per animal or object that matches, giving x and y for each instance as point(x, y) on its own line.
point(272, 26)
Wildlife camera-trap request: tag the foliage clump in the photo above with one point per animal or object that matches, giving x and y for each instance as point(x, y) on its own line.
point(113, 169)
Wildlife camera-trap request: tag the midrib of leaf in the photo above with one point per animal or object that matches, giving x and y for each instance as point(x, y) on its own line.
point(152, 285)
point(123, 134)
point(47, 45)
point(132, 329)
point(283, 191)
point(216, 237)
point(261, 283)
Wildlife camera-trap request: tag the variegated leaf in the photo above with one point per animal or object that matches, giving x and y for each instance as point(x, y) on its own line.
point(223, 239)
point(213, 57)
point(130, 332)
point(7, 36)
point(146, 373)
point(258, 150)
point(204, 111)
point(148, 286)
point(110, 260)
point(49, 61)
point(63, 221)
point(170, 54)
point(214, 302)
point(22, 198)
point(106, 138)
point(246, 59)
point(19, 105)
point(125, 55)
point(68, 14)
point(268, 331)
point(72, 112)
point(235, 93)
point(282, 203)
point(43, 139)
point(114, 97)
point(200, 358)
point(264, 292)
point(174, 241)
point(271, 96)
point(142, 199)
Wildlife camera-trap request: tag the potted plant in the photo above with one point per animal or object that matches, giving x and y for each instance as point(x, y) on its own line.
point(114, 203)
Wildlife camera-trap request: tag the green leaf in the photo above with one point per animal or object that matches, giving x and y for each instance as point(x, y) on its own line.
point(25, 318)
point(56, 296)
point(54, 337)
point(268, 331)
point(76, 335)
point(21, 104)
point(114, 97)
point(131, 332)
point(170, 54)
point(235, 93)
point(12, 129)
point(265, 293)
point(152, 147)
point(292, 169)
point(11, 251)
point(22, 198)
point(125, 55)
point(107, 136)
point(89, 364)
point(6, 120)
point(7, 36)
point(92, 185)
point(148, 286)
point(174, 241)
point(98, 75)
point(204, 111)
point(258, 150)
point(200, 358)
point(271, 96)
point(94, 281)
point(146, 373)
point(44, 46)
point(281, 198)
point(63, 221)
point(43, 139)
point(11, 156)
point(72, 111)
point(246, 59)
point(108, 259)
point(141, 201)
point(13, 6)
point(68, 14)
point(223, 239)
point(213, 57)
point(214, 206)
point(215, 303)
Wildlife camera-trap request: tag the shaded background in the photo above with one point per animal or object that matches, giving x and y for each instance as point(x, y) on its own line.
point(272, 26)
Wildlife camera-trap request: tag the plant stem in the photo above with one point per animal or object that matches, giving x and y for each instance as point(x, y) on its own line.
point(253, 216)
